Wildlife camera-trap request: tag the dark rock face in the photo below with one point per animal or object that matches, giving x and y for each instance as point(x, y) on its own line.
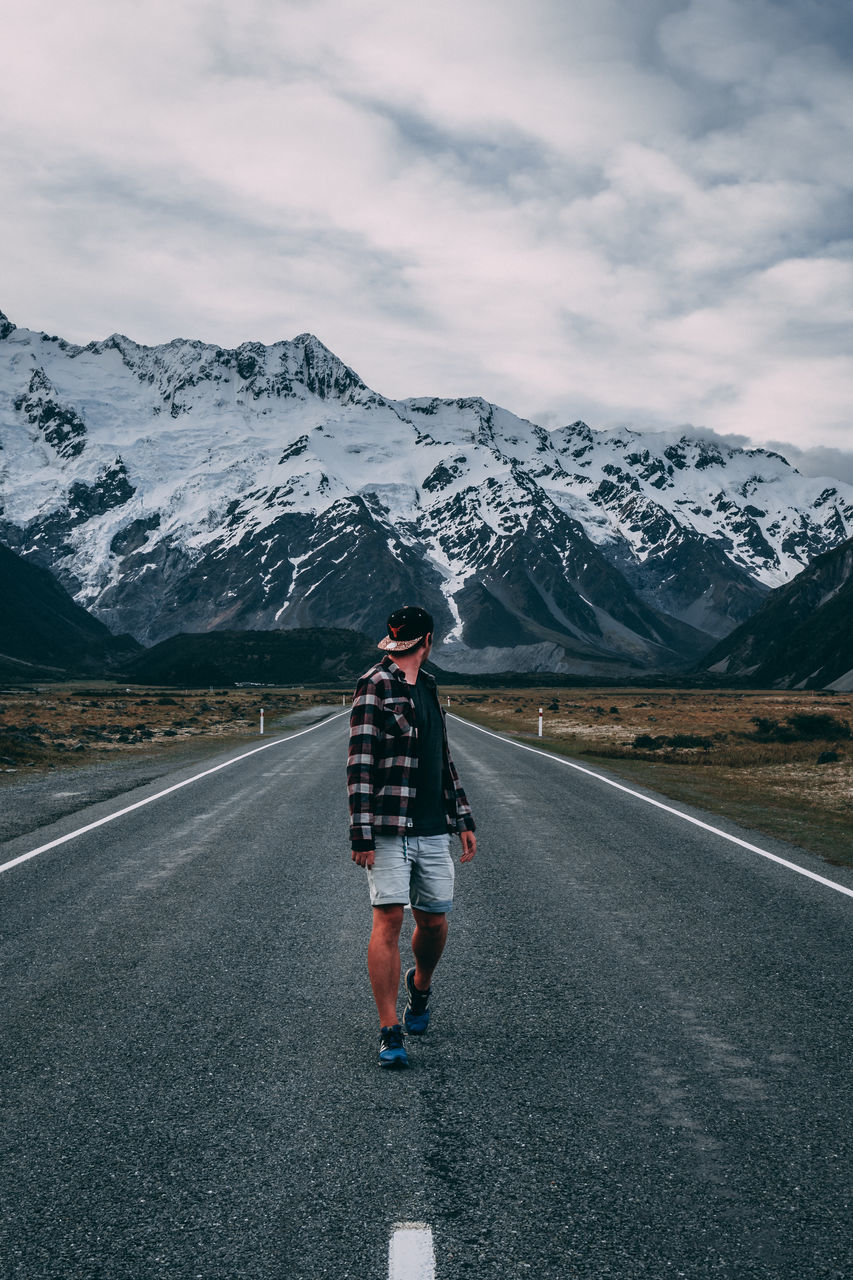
point(344, 569)
point(691, 579)
point(40, 624)
point(802, 636)
point(444, 474)
point(62, 427)
point(134, 535)
point(536, 584)
point(162, 589)
point(111, 488)
point(365, 570)
point(488, 621)
point(298, 447)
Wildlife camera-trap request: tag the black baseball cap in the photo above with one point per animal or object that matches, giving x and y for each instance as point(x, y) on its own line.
point(406, 628)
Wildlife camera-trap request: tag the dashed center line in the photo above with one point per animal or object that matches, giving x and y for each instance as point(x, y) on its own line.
point(410, 1254)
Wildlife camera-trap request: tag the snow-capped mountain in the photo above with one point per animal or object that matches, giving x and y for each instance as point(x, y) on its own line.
point(189, 488)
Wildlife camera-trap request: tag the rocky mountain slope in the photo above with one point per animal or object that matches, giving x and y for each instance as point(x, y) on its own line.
point(44, 634)
point(189, 488)
point(802, 636)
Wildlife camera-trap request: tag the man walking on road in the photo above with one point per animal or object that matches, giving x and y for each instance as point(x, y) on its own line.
point(405, 799)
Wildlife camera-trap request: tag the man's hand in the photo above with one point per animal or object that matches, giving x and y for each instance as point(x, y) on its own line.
point(364, 857)
point(469, 845)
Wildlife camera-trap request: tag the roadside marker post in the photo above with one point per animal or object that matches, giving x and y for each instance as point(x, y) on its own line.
point(540, 722)
point(262, 722)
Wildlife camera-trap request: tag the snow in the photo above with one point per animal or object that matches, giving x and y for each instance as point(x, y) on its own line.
point(296, 561)
point(195, 434)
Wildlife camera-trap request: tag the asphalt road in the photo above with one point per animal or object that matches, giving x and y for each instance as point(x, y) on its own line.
point(638, 1064)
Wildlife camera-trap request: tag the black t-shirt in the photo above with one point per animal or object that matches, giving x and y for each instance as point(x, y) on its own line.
point(427, 808)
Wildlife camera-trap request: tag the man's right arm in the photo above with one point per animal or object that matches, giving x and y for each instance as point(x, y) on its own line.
point(361, 766)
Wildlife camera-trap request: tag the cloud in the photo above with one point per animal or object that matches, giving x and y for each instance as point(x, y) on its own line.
point(835, 464)
point(602, 210)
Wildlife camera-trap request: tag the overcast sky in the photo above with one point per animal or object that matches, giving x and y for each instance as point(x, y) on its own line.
point(631, 211)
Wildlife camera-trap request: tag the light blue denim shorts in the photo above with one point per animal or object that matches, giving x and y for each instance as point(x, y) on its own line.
point(416, 870)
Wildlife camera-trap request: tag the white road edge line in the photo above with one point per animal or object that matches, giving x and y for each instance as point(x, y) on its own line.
point(110, 817)
point(410, 1253)
point(753, 848)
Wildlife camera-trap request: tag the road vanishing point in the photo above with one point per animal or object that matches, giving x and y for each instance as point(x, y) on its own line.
point(638, 1063)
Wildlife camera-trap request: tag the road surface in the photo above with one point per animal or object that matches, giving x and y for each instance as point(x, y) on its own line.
point(638, 1064)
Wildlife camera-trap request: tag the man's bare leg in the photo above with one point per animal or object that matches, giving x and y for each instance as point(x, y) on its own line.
point(428, 942)
point(383, 961)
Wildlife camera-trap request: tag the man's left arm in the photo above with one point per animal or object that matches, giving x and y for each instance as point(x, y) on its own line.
point(465, 824)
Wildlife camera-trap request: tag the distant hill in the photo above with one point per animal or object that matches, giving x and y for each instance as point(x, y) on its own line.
point(303, 656)
point(44, 634)
point(802, 636)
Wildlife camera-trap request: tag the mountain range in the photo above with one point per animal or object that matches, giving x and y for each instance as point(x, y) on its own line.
point(189, 488)
point(802, 636)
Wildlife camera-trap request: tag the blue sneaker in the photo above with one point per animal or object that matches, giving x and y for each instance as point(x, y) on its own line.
point(392, 1051)
point(416, 1017)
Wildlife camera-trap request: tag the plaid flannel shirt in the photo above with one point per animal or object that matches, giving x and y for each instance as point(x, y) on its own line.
point(382, 764)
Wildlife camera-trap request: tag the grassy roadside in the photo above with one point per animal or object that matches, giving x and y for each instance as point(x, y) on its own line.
point(752, 757)
point(52, 726)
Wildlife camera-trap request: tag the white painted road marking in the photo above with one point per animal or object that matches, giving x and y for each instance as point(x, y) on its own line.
point(110, 817)
point(753, 848)
point(410, 1253)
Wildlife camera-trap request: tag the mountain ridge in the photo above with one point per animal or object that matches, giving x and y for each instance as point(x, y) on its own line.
point(802, 636)
point(189, 487)
point(44, 634)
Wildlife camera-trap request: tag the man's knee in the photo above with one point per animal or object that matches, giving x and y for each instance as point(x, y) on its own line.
point(388, 920)
point(431, 921)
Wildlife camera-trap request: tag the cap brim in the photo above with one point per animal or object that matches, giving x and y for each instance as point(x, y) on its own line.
point(390, 645)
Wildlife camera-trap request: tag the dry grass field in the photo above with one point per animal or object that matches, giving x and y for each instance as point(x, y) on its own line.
point(778, 762)
point(54, 725)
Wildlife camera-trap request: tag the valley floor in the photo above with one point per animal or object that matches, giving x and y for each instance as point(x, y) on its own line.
point(779, 762)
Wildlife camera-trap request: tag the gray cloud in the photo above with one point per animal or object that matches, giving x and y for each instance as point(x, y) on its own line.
point(835, 464)
point(731, 439)
point(621, 212)
point(493, 157)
